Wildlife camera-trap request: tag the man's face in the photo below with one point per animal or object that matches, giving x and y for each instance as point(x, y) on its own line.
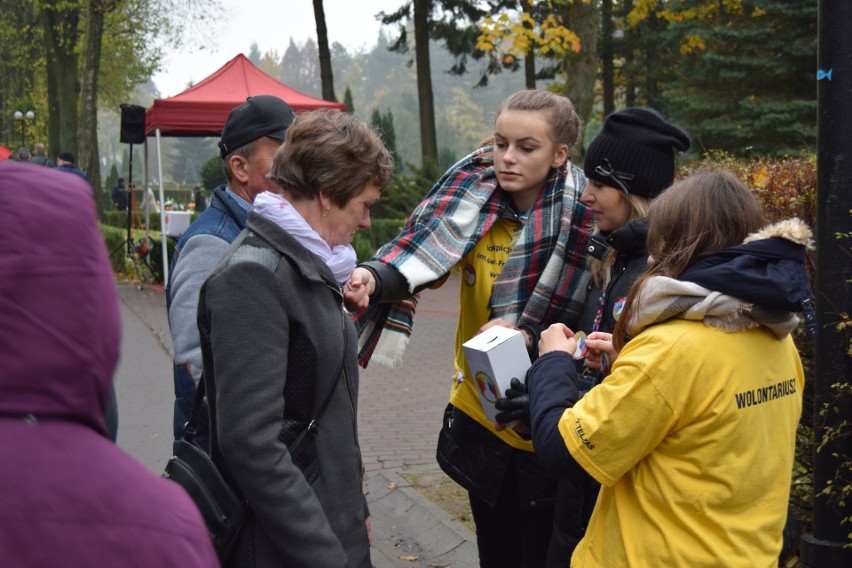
point(255, 171)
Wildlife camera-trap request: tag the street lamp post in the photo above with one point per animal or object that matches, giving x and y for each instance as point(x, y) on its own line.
point(20, 116)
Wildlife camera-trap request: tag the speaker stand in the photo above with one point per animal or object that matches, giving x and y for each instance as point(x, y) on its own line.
point(135, 252)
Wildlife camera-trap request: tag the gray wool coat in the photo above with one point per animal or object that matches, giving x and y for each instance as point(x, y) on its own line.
point(272, 331)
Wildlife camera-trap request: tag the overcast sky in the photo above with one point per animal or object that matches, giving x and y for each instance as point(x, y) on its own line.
point(271, 24)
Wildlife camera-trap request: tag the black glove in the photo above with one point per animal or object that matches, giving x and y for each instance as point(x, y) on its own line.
point(516, 405)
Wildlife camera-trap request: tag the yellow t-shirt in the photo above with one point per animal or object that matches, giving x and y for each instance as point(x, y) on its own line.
point(693, 437)
point(479, 269)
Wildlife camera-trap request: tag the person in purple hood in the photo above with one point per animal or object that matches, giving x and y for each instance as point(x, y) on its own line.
point(68, 495)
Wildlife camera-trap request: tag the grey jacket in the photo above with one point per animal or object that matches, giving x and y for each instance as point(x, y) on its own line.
point(272, 335)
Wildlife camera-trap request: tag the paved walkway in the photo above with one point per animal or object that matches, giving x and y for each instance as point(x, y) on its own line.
point(399, 417)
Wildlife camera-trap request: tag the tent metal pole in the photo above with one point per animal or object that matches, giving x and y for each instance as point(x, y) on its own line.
point(162, 212)
point(145, 187)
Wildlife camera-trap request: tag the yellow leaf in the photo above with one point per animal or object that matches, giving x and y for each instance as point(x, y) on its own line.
point(761, 179)
point(692, 43)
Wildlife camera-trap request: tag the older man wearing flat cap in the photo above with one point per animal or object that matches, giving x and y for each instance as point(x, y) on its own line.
point(253, 132)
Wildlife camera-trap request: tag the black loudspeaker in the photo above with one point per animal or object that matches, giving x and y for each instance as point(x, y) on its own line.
point(132, 124)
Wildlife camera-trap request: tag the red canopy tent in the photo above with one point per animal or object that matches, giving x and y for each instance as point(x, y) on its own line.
point(201, 110)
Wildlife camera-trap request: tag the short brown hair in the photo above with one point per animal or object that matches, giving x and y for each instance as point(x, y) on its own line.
point(330, 152)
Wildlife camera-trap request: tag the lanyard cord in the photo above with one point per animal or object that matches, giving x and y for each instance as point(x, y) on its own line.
point(599, 313)
point(602, 300)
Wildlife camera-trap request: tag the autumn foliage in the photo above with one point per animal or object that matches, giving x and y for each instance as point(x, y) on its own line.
point(786, 187)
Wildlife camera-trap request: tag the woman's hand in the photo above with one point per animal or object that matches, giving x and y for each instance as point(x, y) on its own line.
point(356, 292)
point(598, 344)
point(557, 337)
point(503, 323)
point(514, 409)
point(494, 322)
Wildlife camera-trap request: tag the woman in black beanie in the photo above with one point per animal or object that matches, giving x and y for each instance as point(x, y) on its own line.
point(627, 165)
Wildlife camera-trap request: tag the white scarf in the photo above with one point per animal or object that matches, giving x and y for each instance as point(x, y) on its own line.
point(341, 259)
point(663, 298)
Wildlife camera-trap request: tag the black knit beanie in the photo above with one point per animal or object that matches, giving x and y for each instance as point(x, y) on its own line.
point(635, 152)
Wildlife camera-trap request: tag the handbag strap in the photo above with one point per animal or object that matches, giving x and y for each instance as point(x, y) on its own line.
point(190, 428)
point(312, 425)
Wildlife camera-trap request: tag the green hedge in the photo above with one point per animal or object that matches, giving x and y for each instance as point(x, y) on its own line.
point(115, 239)
point(119, 219)
point(380, 232)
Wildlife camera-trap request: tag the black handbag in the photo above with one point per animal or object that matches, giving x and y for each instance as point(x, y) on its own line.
point(223, 510)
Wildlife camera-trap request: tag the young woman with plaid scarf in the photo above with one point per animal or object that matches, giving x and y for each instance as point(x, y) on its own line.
point(509, 217)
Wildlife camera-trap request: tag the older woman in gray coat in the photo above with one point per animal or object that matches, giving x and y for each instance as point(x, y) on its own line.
point(277, 344)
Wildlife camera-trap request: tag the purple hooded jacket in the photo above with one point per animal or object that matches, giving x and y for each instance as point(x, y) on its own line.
point(68, 496)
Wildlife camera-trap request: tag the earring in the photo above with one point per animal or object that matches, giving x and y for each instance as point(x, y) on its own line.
point(324, 213)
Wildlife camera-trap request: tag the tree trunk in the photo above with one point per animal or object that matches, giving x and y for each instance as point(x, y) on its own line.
point(428, 137)
point(88, 158)
point(653, 65)
point(581, 68)
point(607, 69)
point(629, 58)
point(60, 20)
point(529, 70)
point(529, 57)
point(326, 75)
point(20, 88)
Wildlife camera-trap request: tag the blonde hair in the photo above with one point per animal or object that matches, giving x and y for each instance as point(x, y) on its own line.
point(601, 268)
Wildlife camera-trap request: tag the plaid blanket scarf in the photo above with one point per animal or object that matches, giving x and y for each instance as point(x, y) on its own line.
point(544, 279)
